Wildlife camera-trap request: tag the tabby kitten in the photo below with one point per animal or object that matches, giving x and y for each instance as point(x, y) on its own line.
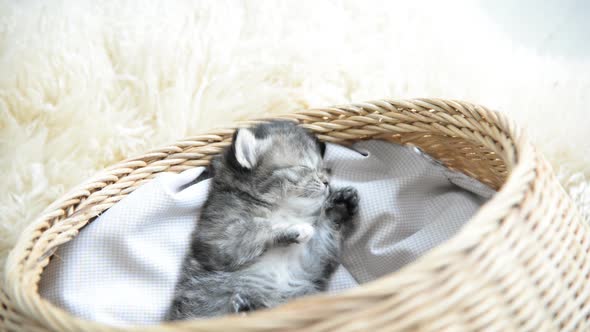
point(271, 228)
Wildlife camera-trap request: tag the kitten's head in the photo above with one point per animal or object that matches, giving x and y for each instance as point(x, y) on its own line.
point(280, 158)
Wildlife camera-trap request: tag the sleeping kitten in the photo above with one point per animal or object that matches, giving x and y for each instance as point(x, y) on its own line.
point(271, 228)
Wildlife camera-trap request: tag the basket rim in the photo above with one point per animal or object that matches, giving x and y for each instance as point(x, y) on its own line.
point(461, 117)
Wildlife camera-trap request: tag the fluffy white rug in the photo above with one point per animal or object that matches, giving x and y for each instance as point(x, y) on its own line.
point(84, 84)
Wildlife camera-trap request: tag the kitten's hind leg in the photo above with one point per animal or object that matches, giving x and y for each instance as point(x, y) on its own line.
point(239, 303)
point(242, 303)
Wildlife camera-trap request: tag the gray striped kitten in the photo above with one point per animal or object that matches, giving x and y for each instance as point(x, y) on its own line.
point(271, 228)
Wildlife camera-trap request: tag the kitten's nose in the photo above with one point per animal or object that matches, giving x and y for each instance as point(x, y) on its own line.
point(324, 179)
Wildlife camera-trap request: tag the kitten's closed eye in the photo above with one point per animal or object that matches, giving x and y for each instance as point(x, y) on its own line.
point(298, 175)
point(293, 171)
point(302, 180)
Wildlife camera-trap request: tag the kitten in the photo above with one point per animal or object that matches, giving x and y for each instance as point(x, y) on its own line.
point(271, 228)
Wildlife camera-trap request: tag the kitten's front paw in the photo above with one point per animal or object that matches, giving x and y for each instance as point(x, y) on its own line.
point(305, 231)
point(288, 233)
point(348, 198)
point(342, 205)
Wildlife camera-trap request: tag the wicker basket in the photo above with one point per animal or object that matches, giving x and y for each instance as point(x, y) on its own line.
point(521, 263)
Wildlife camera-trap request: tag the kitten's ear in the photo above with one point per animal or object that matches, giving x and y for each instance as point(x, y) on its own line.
point(321, 145)
point(322, 148)
point(247, 148)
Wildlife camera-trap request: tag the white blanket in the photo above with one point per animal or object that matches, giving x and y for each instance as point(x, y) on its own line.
point(121, 269)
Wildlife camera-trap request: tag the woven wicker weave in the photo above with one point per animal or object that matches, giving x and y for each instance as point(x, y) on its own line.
point(520, 264)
